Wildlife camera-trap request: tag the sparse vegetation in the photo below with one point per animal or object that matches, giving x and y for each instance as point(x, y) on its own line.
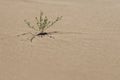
point(42, 23)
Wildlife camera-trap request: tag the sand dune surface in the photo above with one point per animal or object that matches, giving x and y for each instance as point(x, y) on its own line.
point(86, 47)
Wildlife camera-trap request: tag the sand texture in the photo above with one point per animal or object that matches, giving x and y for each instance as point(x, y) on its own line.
point(87, 46)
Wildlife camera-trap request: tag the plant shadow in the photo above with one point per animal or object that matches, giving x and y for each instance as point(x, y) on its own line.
point(48, 34)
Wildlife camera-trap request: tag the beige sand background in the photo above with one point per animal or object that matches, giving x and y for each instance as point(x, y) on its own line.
point(87, 49)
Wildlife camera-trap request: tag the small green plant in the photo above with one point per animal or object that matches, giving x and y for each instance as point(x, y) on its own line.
point(42, 23)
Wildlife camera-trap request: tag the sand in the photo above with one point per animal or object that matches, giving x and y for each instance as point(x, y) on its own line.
point(87, 47)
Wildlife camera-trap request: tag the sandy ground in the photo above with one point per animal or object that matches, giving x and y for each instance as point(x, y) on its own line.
point(88, 47)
